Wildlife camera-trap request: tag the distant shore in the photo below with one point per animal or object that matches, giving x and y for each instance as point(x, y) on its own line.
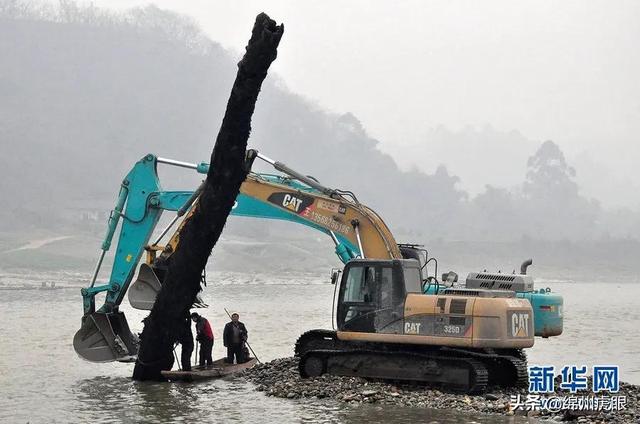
point(605, 261)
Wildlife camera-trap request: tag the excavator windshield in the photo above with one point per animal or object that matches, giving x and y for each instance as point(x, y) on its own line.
point(372, 294)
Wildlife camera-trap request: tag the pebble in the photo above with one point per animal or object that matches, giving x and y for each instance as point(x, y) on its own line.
point(280, 378)
point(369, 392)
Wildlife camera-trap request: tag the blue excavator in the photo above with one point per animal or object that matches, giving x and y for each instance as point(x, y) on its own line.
point(473, 332)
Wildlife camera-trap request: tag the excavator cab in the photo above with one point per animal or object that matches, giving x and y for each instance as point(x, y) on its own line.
point(372, 294)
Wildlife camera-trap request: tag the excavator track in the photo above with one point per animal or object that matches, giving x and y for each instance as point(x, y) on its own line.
point(506, 371)
point(459, 370)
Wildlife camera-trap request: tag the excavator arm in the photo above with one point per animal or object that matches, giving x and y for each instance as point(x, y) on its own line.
point(342, 218)
point(104, 334)
point(356, 231)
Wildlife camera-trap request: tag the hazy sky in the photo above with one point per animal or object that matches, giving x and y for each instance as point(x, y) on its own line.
point(567, 71)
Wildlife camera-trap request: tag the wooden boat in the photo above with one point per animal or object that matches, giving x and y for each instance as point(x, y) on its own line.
point(218, 369)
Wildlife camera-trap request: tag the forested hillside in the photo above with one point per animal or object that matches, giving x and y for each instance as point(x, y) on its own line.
point(85, 93)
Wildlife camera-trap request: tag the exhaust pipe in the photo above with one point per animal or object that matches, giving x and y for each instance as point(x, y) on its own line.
point(525, 265)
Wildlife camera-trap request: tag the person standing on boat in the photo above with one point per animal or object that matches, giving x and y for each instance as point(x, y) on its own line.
point(204, 335)
point(234, 338)
point(185, 338)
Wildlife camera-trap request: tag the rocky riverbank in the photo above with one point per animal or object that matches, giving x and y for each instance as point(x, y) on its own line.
point(280, 378)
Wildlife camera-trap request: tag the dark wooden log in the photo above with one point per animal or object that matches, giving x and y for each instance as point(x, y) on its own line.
point(229, 168)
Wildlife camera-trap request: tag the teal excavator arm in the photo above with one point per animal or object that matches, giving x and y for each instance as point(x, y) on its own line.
point(105, 335)
point(251, 207)
point(145, 201)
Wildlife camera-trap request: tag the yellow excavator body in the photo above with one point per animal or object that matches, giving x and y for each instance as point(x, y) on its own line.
point(438, 320)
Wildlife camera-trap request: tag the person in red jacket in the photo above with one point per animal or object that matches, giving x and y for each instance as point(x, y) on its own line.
point(204, 335)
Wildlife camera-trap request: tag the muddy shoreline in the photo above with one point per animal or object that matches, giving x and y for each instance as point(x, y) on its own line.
point(280, 378)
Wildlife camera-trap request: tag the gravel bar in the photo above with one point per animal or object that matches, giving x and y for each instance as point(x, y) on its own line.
point(280, 378)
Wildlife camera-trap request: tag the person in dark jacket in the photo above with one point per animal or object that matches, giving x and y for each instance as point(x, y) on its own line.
point(185, 338)
point(234, 338)
point(204, 335)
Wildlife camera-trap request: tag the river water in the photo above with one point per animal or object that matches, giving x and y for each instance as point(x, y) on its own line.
point(42, 379)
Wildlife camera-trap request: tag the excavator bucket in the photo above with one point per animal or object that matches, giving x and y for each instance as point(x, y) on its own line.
point(143, 292)
point(106, 337)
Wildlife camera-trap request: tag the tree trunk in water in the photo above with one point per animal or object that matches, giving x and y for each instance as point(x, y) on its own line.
point(228, 169)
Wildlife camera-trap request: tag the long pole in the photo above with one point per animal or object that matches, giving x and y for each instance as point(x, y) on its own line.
point(175, 354)
point(248, 345)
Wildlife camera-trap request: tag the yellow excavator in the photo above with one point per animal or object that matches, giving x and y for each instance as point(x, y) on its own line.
point(385, 326)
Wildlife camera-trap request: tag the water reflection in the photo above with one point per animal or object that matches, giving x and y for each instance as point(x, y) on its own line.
point(107, 399)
